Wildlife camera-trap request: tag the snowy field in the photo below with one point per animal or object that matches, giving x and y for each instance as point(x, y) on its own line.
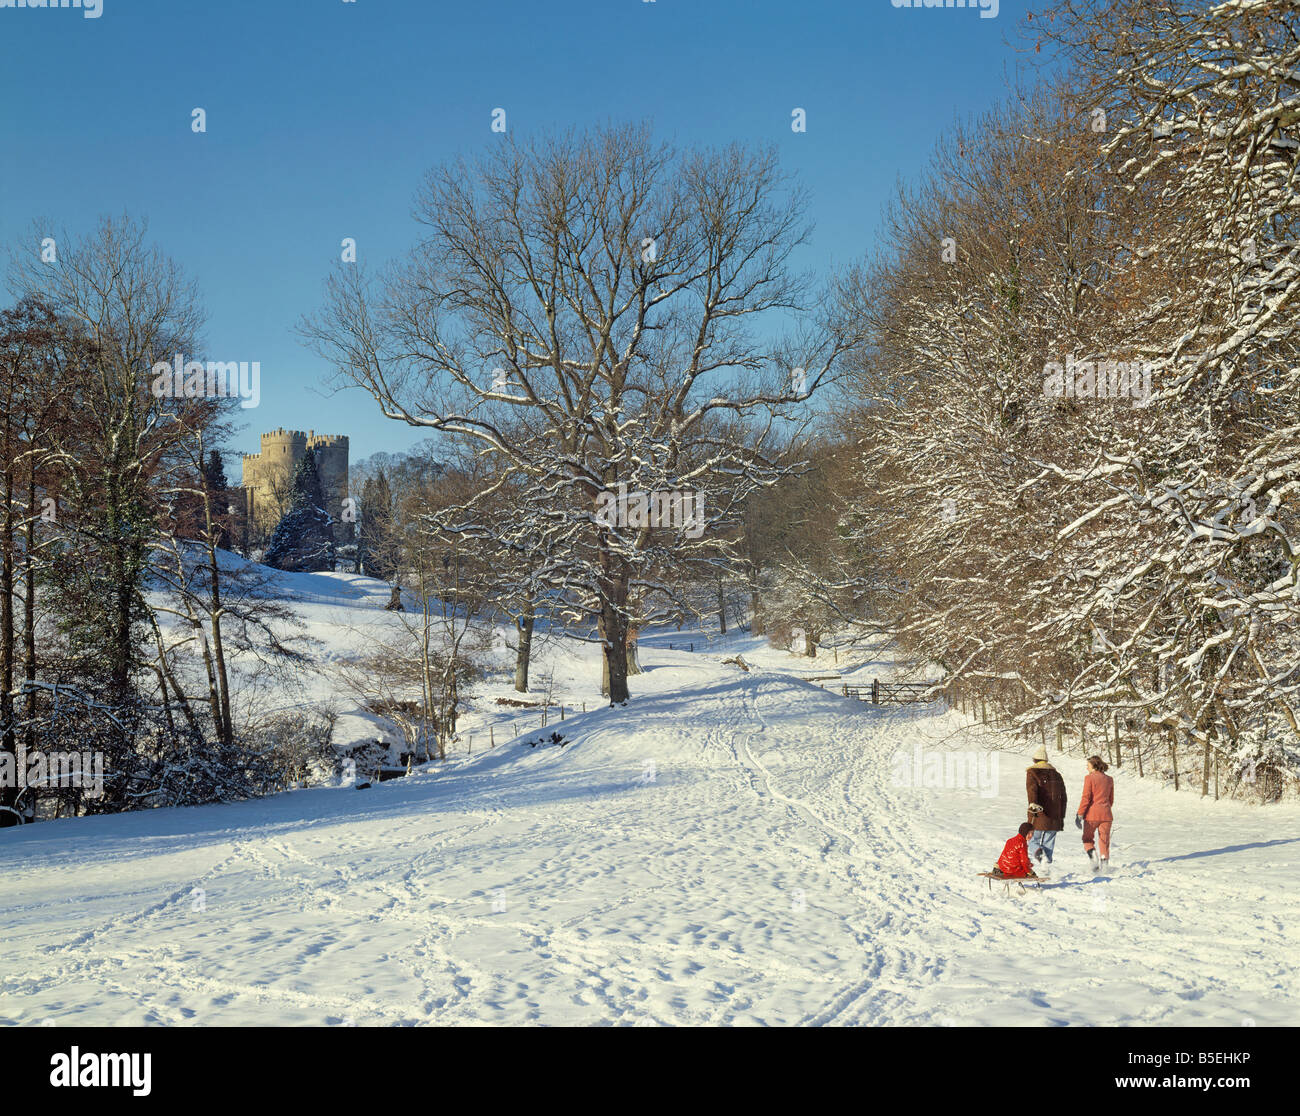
point(730, 848)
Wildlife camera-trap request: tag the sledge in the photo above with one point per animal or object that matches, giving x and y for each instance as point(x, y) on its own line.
point(1007, 881)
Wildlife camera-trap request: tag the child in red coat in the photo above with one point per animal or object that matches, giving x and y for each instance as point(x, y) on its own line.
point(1014, 864)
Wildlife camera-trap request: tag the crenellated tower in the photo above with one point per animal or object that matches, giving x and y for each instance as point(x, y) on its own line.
point(332, 464)
point(268, 476)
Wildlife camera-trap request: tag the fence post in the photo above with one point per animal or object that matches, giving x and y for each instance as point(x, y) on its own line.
point(875, 691)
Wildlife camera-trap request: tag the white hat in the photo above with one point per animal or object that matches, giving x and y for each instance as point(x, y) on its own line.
point(1040, 754)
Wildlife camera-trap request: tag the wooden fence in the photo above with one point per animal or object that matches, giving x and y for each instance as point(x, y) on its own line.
point(1113, 736)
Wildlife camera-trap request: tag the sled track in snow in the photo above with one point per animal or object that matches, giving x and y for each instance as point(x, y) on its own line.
point(888, 966)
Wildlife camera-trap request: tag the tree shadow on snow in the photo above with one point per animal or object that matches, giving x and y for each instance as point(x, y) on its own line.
point(1226, 849)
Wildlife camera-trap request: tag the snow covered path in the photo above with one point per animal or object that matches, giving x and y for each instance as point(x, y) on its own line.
point(738, 851)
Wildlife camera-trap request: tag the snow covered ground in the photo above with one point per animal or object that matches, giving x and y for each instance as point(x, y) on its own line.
point(729, 848)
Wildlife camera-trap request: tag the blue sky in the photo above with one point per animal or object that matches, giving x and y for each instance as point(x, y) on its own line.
point(323, 115)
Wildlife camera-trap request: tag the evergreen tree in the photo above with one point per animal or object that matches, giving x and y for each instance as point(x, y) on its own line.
point(376, 529)
point(303, 540)
point(218, 490)
point(214, 474)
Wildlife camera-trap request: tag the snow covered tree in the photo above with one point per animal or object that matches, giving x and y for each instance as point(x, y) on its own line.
point(125, 302)
point(1068, 549)
point(34, 397)
point(598, 312)
point(303, 540)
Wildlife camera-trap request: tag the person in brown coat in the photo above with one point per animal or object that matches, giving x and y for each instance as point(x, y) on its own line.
point(1047, 806)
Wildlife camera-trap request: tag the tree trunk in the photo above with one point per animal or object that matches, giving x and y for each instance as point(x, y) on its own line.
point(524, 626)
point(8, 794)
point(613, 640)
point(613, 623)
point(123, 570)
point(29, 611)
point(210, 667)
point(430, 709)
point(165, 668)
point(221, 712)
point(633, 654)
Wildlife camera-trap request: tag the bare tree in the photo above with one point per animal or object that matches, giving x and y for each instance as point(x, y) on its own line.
point(590, 309)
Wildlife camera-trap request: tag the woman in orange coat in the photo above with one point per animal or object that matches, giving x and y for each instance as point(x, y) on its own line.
point(1094, 816)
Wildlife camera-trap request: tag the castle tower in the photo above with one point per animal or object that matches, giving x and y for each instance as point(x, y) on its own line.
point(332, 464)
point(268, 477)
